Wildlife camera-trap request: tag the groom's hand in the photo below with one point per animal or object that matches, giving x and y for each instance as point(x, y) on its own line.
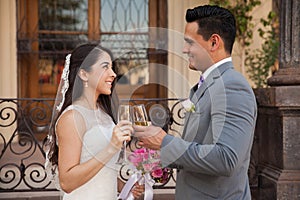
point(149, 136)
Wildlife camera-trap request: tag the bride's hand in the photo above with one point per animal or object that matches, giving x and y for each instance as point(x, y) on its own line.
point(121, 132)
point(137, 190)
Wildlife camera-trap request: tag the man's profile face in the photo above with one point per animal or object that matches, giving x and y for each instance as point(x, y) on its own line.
point(196, 48)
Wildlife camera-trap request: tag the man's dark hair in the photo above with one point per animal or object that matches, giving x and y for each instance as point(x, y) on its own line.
point(214, 20)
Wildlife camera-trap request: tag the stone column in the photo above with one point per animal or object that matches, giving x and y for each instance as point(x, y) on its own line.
point(8, 49)
point(278, 125)
point(289, 55)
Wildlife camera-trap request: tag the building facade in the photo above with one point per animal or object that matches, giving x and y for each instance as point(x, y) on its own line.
point(36, 35)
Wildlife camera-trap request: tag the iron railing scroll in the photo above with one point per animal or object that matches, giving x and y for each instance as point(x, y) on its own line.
point(24, 124)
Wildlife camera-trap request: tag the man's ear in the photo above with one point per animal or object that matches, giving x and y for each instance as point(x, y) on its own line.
point(83, 75)
point(215, 41)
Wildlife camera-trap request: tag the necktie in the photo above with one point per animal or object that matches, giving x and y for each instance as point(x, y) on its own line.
point(200, 81)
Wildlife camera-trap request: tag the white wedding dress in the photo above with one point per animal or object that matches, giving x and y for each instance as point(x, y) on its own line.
point(103, 186)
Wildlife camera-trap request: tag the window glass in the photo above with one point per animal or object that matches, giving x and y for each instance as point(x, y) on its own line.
point(66, 15)
point(123, 15)
point(62, 26)
point(124, 29)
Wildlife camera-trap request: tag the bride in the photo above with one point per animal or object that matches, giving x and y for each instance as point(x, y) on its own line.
point(84, 141)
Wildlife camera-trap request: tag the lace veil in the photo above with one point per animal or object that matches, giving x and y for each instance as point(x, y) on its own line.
point(50, 168)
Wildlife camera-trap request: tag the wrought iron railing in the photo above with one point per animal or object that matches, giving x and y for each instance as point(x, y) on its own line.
point(24, 124)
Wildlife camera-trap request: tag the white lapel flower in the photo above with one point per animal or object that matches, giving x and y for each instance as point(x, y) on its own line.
point(188, 105)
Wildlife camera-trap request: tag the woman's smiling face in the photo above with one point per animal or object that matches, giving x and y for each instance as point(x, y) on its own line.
point(102, 75)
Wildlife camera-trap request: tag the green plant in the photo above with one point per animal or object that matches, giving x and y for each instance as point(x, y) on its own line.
point(241, 9)
point(261, 60)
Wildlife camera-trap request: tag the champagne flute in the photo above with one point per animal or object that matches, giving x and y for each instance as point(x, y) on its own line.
point(123, 114)
point(139, 115)
point(140, 118)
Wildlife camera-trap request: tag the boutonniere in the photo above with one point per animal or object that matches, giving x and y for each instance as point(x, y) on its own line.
point(188, 105)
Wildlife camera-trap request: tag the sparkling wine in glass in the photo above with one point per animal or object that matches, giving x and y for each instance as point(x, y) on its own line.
point(140, 118)
point(139, 115)
point(123, 114)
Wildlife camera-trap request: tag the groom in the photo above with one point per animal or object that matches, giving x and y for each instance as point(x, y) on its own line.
point(213, 155)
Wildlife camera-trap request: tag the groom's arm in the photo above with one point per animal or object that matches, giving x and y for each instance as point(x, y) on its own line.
point(232, 127)
point(180, 154)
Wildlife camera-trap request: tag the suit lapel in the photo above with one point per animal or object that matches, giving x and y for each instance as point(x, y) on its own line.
point(209, 81)
point(187, 114)
point(196, 93)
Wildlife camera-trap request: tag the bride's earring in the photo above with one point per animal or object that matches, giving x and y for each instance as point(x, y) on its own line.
point(84, 78)
point(86, 84)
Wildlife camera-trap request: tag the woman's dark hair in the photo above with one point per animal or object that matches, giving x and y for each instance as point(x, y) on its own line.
point(214, 20)
point(82, 57)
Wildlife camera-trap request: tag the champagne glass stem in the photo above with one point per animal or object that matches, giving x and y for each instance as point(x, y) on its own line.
point(123, 114)
point(124, 149)
point(122, 155)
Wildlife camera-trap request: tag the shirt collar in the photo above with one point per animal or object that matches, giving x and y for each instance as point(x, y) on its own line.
point(214, 66)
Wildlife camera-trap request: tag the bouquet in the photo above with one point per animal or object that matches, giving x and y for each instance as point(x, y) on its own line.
point(147, 170)
point(148, 161)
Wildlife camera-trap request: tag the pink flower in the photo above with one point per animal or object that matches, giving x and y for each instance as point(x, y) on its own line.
point(135, 159)
point(142, 153)
point(157, 172)
point(148, 167)
point(139, 151)
point(148, 161)
point(152, 151)
point(138, 156)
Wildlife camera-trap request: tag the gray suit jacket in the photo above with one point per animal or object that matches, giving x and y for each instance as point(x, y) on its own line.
point(213, 155)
